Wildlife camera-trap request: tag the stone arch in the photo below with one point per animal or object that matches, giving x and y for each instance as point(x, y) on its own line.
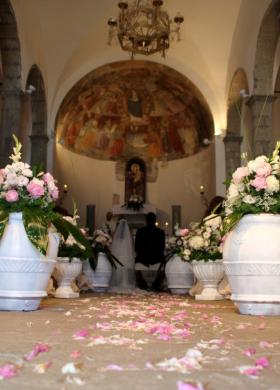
point(234, 136)
point(10, 87)
point(276, 110)
point(261, 101)
point(35, 90)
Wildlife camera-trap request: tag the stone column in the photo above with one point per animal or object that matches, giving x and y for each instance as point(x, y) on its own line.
point(39, 150)
point(261, 106)
point(232, 151)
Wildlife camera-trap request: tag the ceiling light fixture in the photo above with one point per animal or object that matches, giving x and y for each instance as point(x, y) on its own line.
point(143, 27)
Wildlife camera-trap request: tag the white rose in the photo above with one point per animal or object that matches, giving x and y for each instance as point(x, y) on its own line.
point(272, 184)
point(196, 242)
point(27, 172)
point(22, 181)
point(11, 179)
point(233, 191)
point(259, 162)
point(206, 235)
point(249, 199)
point(213, 222)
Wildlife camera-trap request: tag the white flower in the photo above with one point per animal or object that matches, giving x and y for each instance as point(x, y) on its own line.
point(249, 199)
point(213, 222)
point(196, 242)
point(27, 172)
point(206, 235)
point(233, 191)
point(272, 184)
point(22, 181)
point(11, 179)
point(259, 162)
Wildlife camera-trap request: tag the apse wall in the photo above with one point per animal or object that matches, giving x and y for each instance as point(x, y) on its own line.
point(94, 182)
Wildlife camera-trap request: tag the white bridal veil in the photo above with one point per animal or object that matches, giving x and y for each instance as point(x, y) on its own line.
point(123, 248)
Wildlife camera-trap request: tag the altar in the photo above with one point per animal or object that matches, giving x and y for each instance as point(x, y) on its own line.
point(135, 218)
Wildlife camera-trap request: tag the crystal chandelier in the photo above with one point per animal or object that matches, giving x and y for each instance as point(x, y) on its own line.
point(143, 27)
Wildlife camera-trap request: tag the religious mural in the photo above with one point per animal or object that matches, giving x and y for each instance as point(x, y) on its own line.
point(134, 108)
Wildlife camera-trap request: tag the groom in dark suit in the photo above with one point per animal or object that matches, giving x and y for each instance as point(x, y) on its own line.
point(149, 247)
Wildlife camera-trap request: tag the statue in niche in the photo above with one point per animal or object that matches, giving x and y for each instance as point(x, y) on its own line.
point(135, 180)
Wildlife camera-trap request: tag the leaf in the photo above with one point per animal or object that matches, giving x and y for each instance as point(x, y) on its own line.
point(4, 216)
point(36, 227)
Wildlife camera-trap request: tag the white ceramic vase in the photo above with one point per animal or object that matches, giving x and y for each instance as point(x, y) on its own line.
point(251, 256)
point(179, 275)
point(99, 279)
point(24, 271)
point(65, 273)
point(209, 273)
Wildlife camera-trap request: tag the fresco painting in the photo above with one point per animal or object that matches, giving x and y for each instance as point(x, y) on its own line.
point(134, 109)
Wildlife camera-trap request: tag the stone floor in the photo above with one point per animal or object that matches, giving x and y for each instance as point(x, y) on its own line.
point(138, 341)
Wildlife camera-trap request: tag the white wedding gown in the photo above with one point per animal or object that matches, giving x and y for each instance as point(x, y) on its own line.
point(123, 278)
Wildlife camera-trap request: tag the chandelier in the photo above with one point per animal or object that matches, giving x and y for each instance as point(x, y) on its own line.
point(143, 27)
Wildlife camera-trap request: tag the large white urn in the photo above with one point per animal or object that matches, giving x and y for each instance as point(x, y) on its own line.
point(209, 273)
point(252, 263)
point(99, 279)
point(24, 271)
point(65, 272)
point(179, 275)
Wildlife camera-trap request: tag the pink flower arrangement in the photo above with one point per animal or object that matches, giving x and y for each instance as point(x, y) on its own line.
point(21, 187)
point(254, 189)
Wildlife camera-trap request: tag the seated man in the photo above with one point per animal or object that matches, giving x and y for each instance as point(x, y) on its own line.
point(149, 247)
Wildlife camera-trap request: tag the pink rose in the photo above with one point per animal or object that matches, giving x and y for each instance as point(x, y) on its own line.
point(264, 170)
point(35, 190)
point(47, 177)
point(55, 193)
point(259, 183)
point(239, 174)
point(11, 196)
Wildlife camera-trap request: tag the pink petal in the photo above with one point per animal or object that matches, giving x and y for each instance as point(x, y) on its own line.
point(81, 334)
point(262, 362)
point(262, 326)
point(265, 344)
point(249, 352)
point(8, 371)
point(39, 348)
point(188, 386)
point(75, 354)
point(114, 367)
point(252, 371)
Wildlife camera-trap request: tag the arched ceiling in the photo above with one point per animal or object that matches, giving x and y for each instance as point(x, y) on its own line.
point(133, 108)
point(67, 39)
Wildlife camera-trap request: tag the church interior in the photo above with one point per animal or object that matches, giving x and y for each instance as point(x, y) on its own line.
point(181, 117)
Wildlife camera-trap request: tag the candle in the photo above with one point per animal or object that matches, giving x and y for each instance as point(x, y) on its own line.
point(201, 188)
point(166, 224)
point(65, 187)
point(156, 223)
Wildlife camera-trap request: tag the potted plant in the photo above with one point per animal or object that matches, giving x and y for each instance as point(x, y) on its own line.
point(252, 248)
point(203, 249)
point(98, 269)
point(178, 272)
point(27, 248)
point(71, 253)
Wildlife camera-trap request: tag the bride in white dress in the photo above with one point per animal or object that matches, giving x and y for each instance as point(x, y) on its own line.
point(123, 278)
